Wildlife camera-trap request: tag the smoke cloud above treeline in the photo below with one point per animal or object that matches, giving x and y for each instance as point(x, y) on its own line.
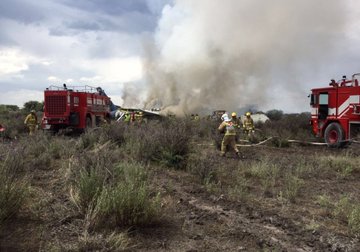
point(233, 54)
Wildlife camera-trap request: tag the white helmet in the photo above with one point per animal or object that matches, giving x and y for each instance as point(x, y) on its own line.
point(225, 117)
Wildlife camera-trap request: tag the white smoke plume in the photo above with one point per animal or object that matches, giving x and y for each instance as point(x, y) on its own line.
point(231, 54)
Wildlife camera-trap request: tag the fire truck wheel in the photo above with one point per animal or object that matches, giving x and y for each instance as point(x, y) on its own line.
point(334, 135)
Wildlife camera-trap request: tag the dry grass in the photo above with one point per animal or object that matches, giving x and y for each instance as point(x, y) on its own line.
point(108, 175)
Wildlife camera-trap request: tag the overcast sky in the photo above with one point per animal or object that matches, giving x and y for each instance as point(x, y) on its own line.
point(103, 43)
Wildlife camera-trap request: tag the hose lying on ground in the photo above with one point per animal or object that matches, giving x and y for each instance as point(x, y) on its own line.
point(248, 145)
point(290, 141)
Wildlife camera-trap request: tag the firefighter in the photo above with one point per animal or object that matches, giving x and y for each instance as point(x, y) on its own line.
point(31, 122)
point(236, 121)
point(237, 124)
point(139, 117)
point(132, 117)
point(127, 117)
point(248, 125)
point(230, 135)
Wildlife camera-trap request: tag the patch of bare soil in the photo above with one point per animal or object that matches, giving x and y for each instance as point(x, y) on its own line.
point(197, 219)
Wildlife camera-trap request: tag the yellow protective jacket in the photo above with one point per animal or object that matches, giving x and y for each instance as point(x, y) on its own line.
point(248, 124)
point(236, 122)
point(30, 119)
point(127, 118)
point(229, 127)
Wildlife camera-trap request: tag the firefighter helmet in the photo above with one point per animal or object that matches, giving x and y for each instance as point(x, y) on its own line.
point(225, 117)
point(233, 114)
point(248, 114)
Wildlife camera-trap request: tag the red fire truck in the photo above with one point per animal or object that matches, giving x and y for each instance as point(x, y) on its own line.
point(335, 111)
point(75, 108)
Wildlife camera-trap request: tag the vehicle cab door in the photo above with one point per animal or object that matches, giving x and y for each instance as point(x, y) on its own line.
point(323, 106)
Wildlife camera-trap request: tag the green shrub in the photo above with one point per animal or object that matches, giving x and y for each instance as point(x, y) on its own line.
point(111, 194)
point(289, 126)
point(166, 143)
point(89, 139)
point(343, 166)
point(354, 220)
point(13, 121)
point(41, 149)
point(127, 202)
point(89, 172)
point(203, 165)
point(114, 132)
point(292, 187)
point(13, 186)
point(343, 208)
point(324, 201)
point(267, 172)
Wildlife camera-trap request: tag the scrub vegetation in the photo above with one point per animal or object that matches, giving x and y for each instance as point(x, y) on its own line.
point(162, 186)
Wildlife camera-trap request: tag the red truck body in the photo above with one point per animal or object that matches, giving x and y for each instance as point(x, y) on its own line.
point(335, 111)
point(75, 108)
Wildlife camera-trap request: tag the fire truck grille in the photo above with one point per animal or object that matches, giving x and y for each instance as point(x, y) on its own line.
point(55, 105)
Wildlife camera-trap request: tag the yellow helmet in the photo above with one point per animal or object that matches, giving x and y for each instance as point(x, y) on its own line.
point(248, 114)
point(233, 114)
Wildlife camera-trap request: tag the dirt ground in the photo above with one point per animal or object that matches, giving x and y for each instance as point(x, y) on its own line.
point(197, 218)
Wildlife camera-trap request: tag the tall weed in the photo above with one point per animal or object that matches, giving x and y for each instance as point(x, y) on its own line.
point(112, 193)
point(13, 186)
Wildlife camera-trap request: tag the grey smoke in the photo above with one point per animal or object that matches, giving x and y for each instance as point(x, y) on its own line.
point(234, 53)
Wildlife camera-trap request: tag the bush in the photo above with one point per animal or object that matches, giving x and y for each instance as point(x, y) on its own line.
point(13, 186)
point(112, 194)
point(128, 201)
point(268, 173)
point(167, 143)
point(203, 166)
point(292, 187)
point(290, 126)
point(13, 121)
point(41, 149)
point(343, 208)
point(343, 166)
point(354, 220)
point(89, 172)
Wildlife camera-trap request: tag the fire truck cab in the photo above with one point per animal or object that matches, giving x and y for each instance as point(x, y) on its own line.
point(75, 108)
point(335, 111)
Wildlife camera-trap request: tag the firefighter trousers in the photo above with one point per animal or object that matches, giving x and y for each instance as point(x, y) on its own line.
point(228, 140)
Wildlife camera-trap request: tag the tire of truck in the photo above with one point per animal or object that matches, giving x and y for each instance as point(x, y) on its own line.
point(54, 130)
point(334, 135)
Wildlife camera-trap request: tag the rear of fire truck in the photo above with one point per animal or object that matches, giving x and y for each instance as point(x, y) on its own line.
point(335, 111)
point(74, 108)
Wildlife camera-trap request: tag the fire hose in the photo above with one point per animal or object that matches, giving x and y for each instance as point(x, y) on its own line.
point(289, 141)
